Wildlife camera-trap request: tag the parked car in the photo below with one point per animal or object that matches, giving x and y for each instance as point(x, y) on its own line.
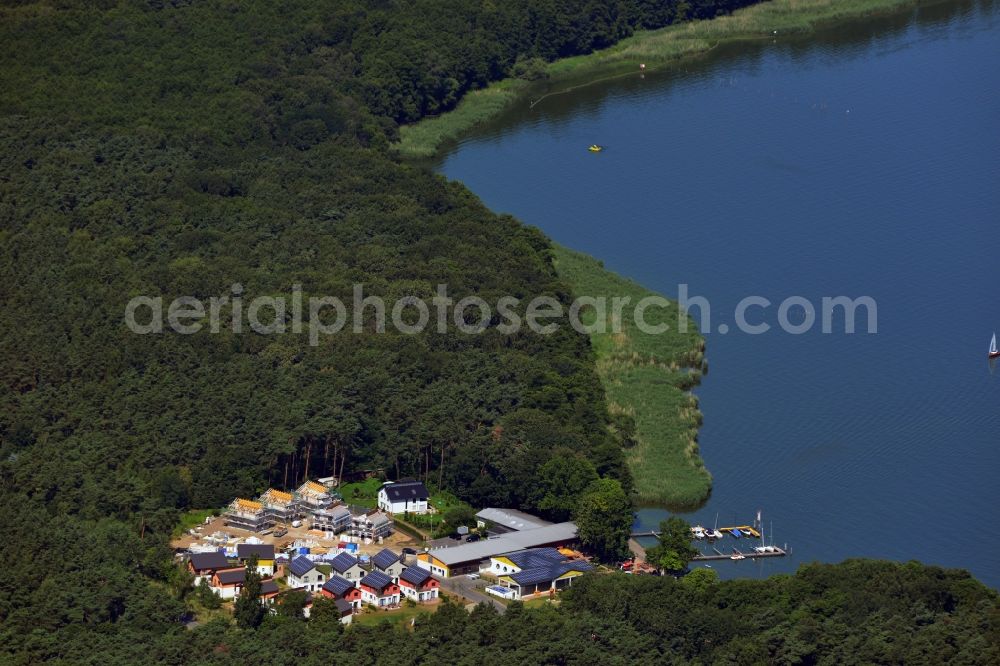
point(471, 538)
point(280, 532)
point(472, 576)
point(409, 551)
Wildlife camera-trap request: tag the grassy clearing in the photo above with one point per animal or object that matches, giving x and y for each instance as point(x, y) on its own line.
point(362, 493)
point(648, 377)
point(422, 139)
point(193, 518)
point(540, 602)
point(399, 617)
point(654, 48)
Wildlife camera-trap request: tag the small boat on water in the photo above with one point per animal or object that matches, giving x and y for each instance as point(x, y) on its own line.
point(994, 353)
point(746, 532)
point(737, 555)
point(698, 531)
point(594, 148)
point(736, 533)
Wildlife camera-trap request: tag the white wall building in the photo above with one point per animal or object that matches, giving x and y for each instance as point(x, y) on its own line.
point(405, 496)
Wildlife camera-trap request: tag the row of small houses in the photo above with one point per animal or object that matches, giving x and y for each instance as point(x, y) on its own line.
point(226, 577)
point(313, 502)
point(384, 586)
point(387, 583)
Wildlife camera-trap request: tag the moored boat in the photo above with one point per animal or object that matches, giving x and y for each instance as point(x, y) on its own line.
point(994, 352)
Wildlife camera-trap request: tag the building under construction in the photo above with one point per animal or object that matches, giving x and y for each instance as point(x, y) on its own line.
point(312, 502)
point(274, 507)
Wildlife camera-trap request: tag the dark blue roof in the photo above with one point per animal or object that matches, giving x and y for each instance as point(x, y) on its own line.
point(300, 566)
point(405, 489)
point(385, 558)
point(202, 561)
point(376, 580)
point(338, 586)
point(231, 576)
point(268, 587)
point(535, 557)
point(548, 573)
point(415, 575)
point(263, 551)
point(343, 562)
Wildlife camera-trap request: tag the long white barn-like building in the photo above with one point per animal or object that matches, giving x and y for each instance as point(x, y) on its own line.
point(471, 557)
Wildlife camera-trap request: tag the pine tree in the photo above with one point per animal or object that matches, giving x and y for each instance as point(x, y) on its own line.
point(250, 610)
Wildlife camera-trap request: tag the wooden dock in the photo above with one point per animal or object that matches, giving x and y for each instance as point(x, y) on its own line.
point(752, 555)
point(754, 534)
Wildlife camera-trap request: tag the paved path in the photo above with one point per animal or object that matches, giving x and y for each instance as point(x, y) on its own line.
point(472, 590)
point(637, 550)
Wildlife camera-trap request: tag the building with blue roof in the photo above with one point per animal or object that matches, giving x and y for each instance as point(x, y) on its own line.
point(529, 558)
point(379, 590)
point(347, 566)
point(537, 571)
point(419, 585)
point(389, 563)
point(303, 574)
point(342, 589)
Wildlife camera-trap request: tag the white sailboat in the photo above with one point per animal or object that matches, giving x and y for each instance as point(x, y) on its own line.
point(762, 548)
point(715, 533)
point(993, 347)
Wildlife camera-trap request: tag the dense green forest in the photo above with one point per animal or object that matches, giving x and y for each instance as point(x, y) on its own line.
point(857, 612)
point(177, 148)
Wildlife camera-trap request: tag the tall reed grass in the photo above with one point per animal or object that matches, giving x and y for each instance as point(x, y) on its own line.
point(648, 377)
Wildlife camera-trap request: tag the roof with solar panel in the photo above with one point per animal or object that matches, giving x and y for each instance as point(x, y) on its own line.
point(338, 586)
point(376, 580)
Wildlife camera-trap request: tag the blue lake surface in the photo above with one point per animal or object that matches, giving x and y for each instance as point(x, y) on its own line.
point(861, 161)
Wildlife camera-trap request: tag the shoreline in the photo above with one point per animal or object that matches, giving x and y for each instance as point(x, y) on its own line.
point(655, 48)
point(647, 380)
point(649, 384)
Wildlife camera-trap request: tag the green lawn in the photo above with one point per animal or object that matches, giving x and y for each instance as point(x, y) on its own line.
point(193, 518)
point(541, 601)
point(396, 617)
point(362, 493)
point(647, 376)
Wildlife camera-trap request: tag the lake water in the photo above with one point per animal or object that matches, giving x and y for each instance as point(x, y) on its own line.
point(861, 161)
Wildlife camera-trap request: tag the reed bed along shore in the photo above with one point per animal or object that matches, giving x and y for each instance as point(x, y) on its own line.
point(654, 48)
point(647, 378)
